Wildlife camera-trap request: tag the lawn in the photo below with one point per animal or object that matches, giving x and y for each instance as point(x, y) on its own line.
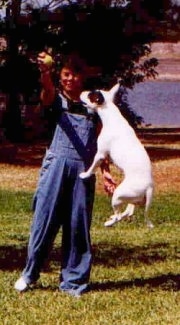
point(135, 275)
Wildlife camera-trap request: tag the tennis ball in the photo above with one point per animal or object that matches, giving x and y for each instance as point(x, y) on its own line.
point(46, 59)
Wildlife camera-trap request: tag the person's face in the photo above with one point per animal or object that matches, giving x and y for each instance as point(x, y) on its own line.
point(71, 81)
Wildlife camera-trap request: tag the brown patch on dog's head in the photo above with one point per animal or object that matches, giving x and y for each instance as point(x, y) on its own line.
point(96, 97)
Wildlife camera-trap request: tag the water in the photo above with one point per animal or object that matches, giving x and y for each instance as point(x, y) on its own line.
point(158, 102)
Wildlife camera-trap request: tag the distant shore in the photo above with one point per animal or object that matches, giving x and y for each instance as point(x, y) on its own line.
point(168, 55)
point(168, 69)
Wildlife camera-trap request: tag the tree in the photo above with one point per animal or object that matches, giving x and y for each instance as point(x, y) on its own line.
point(112, 36)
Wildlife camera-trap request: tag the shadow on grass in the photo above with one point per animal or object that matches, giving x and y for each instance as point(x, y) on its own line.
point(113, 255)
point(13, 257)
point(165, 282)
point(31, 154)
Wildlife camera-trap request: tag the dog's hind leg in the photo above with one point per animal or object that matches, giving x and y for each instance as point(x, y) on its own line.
point(149, 194)
point(112, 219)
point(128, 212)
point(117, 216)
point(117, 201)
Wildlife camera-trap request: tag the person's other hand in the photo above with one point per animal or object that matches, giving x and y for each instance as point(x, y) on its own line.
point(109, 183)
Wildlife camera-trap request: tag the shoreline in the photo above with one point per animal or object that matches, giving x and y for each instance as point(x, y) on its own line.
point(168, 69)
point(168, 56)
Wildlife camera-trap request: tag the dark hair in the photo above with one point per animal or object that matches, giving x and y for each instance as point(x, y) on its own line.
point(74, 62)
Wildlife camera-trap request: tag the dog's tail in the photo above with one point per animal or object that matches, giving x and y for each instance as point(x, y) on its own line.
point(149, 195)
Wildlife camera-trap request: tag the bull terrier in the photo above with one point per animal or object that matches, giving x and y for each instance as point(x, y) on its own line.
point(118, 141)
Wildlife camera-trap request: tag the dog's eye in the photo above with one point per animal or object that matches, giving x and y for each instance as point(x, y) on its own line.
point(96, 97)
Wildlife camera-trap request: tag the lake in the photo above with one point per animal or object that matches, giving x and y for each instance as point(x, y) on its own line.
point(158, 102)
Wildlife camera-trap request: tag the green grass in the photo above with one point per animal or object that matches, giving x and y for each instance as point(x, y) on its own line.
point(134, 278)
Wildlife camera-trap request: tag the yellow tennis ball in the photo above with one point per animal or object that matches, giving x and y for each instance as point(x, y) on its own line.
point(46, 59)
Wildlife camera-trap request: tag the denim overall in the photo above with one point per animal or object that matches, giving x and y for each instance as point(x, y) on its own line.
point(64, 200)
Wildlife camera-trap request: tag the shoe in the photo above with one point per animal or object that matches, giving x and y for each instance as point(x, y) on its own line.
point(73, 293)
point(21, 285)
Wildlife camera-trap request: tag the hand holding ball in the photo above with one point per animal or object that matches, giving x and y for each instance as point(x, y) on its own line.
point(45, 60)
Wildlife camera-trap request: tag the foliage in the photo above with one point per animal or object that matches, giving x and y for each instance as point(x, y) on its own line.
point(109, 36)
point(114, 37)
point(3, 3)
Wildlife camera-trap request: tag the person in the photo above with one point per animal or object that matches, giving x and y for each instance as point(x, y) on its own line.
point(62, 198)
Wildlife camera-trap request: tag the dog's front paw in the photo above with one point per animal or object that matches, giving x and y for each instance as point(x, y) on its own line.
point(150, 225)
point(113, 219)
point(84, 175)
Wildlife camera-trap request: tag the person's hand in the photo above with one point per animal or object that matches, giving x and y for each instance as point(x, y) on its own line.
point(45, 61)
point(109, 183)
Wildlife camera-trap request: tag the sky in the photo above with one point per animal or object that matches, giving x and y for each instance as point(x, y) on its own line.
point(36, 4)
point(54, 4)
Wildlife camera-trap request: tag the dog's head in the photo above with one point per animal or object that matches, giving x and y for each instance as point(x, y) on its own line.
point(98, 98)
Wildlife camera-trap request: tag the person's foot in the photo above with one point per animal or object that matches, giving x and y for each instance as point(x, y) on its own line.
point(21, 285)
point(73, 293)
point(76, 291)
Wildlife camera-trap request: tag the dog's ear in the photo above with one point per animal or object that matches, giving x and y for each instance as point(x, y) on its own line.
point(113, 91)
point(96, 97)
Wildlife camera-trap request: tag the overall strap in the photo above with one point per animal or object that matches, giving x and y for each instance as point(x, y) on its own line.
point(74, 138)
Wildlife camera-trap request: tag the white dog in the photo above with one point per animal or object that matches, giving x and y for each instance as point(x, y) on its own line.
point(118, 140)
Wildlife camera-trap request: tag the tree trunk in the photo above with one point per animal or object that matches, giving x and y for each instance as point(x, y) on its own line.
point(13, 118)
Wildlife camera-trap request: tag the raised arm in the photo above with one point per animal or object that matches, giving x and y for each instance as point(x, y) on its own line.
point(45, 62)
